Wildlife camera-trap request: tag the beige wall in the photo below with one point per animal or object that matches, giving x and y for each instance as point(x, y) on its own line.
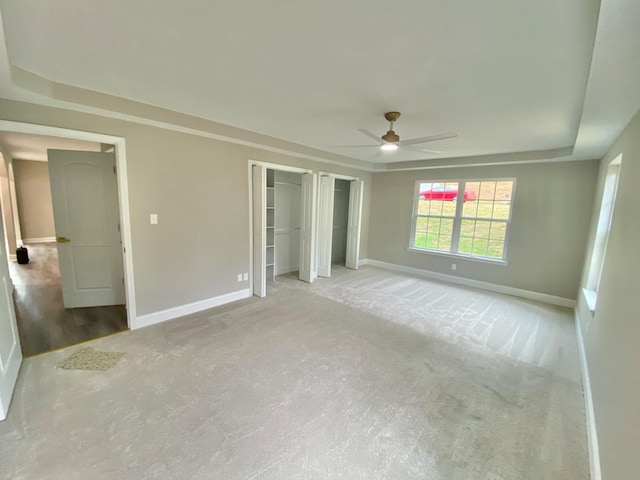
point(612, 334)
point(33, 193)
point(551, 213)
point(199, 189)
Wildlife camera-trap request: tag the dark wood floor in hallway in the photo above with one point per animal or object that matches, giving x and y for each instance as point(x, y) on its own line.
point(43, 322)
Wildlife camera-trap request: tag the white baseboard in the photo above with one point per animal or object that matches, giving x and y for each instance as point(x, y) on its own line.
point(592, 432)
point(493, 287)
point(39, 240)
point(182, 310)
point(13, 257)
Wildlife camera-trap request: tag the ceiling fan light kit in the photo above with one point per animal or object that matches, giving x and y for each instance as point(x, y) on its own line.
point(389, 146)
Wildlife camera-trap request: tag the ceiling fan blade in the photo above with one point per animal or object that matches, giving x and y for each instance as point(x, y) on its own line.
point(422, 150)
point(431, 138)
point(370, 135)
point(353, 146)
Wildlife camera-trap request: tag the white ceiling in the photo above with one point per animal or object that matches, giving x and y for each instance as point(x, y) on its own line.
point(506, 76)
point(25, 146)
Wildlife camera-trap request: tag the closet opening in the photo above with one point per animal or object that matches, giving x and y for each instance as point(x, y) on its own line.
point(340, 222)
point(288, 191)
point(339, 218)
point(283, 203)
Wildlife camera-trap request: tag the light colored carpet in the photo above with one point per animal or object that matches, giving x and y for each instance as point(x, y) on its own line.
point(302, 385)
point(536, 333)
point(89, 358)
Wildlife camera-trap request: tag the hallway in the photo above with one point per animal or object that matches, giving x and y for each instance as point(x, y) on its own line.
point(43, 322)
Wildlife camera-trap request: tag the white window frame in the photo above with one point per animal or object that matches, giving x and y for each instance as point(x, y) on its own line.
point(603, 229)
point(457, 220)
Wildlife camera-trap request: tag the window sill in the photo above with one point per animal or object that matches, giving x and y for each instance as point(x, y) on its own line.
point(493, 261)
point(591, 297)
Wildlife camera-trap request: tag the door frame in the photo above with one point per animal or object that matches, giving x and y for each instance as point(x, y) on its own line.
point(273, 166)
point(123, 193)
point(337, 176)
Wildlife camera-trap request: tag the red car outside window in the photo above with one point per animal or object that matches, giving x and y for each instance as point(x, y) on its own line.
point(446, 193)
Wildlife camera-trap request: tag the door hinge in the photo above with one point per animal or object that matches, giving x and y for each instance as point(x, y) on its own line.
point(114, 170)
point(118, 227)
point(123, 280)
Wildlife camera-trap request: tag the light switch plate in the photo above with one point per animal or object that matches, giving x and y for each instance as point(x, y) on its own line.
point(153, 219)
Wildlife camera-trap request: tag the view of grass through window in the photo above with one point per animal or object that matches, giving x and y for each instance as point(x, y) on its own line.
point(477, 226)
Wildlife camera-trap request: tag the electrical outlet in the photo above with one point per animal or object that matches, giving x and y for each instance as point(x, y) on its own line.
point(239, 277)
point(453, 266)
point(245, 276)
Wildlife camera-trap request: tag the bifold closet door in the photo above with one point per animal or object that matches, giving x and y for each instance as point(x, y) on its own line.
point(307, 227)
point(259, 196)
point(326, 189)
point(353, 229)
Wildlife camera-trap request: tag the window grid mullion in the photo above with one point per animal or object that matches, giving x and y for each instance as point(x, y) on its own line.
point(457, 219)
point(435, 216)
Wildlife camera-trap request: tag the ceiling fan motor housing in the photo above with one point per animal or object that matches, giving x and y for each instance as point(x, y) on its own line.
point(391, 137)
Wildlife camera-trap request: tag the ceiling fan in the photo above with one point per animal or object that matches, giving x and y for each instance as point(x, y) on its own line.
point(391, 140)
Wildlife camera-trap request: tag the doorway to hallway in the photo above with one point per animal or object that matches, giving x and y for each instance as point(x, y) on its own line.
point(43, 322)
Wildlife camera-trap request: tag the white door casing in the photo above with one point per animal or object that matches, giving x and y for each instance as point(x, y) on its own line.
point(259, 199)
point(353, 229)
point(326, 190)
point(84, 194)
point(10, 352)
point(307, 227)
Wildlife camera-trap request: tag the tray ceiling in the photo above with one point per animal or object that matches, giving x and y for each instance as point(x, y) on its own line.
point(505, 76)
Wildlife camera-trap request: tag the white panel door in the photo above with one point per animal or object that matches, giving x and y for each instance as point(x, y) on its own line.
point(84, 191)
point(326, 190)
point(10, 353)
point(353, 229)
point(259, 197)
point(307, 227)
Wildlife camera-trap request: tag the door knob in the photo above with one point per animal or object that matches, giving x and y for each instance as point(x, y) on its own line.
point(62, 240)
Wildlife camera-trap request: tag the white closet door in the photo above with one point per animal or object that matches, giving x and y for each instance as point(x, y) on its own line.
point(307, 234)
point(325, 224)
point(353, 229)
point(259, 231)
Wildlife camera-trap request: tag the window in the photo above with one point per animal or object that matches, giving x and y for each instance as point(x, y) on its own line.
point(602, 231)
point(476, 226)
